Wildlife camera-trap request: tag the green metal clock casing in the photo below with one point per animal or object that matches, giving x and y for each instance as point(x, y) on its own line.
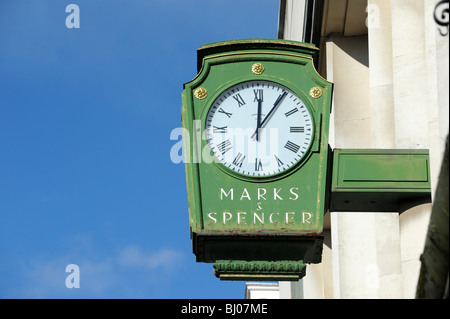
point(256, 151)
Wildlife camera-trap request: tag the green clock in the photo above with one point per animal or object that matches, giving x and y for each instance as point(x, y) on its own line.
point(256, 121)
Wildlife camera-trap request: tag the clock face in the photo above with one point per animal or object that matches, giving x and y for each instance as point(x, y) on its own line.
point(259, 128)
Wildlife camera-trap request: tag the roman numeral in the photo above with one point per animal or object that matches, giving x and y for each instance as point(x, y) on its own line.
point(291, 112)
point(221, 110)
point(292, 146)
point(258, 95)
point(297, 129)
point(258, 164)
point(239, 99)
point(280, 163)
point(239, 159)
point(224, 146)
point(218, 129)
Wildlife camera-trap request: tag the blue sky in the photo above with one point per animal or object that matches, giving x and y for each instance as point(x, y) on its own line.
point(85, 120)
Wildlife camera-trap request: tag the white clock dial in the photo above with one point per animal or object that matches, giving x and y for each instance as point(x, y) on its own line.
point(259, 128)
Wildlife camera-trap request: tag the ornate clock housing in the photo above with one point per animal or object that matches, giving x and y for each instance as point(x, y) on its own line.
point(259, 128)
point(256, 206)
point(256, 122)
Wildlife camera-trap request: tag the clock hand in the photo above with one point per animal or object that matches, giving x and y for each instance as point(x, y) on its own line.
point(275, 105)
point(258, 121)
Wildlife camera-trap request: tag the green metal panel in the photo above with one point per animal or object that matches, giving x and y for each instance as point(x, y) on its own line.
point(379, 180)
point(284, 270)
point(262, 247)
point(236, 46)
point(245, 218)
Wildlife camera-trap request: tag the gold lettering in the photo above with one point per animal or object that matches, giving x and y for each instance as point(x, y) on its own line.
point(241, 219)
point(222, 192)
point(275, 194)
point(255, 217)
point(306, 219)
point(290, 218)
point(245, 194)
point(270, 218)
point(213, 218)
point(226, 219)
point(261, 195)
point(292, 192)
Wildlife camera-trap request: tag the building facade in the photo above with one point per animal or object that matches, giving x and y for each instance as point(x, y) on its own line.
point(389, 62)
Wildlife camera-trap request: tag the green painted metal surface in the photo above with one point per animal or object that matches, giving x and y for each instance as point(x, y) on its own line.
point(284, 270)
point(379, 180)
point(278, 217)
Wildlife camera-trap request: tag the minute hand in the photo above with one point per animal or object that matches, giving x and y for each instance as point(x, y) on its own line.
point(275, 105)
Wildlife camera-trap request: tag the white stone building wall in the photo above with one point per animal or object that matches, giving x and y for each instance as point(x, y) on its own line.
point(389, 64)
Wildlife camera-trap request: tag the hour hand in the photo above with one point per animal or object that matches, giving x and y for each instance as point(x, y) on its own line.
point(258, 121)
point(259, 99)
